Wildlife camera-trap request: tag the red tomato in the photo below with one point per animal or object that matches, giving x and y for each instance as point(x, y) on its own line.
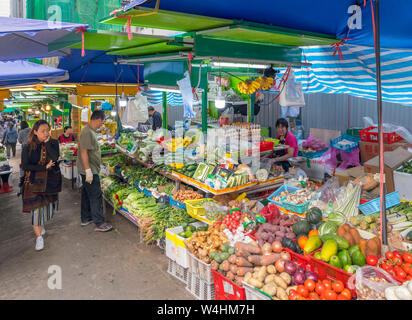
point(400, 273)
point(330, 294)
point(319, 288)
point(302, 291)
point(327, 284)
point(293, 295)
point(371, 260)
point(346, 293)
point(310, 285)
point(407, 257)
point(338, 286)
point(409, 277)
point(389, 255)
point(386, 267)
point(341, 297)
point(314, 296)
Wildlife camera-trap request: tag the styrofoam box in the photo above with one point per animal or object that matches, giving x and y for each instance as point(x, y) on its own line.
point(403, 183)
point(66, 170)
point(175, 247)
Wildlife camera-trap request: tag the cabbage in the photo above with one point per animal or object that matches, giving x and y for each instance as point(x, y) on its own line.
point(328, 227)
point(337, 217)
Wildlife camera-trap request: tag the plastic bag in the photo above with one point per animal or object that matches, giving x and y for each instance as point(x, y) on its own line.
point(135, 112)
point(291, 94)
point(329, 191)
point(368, 289)
point(388, 127)
point(185, 87)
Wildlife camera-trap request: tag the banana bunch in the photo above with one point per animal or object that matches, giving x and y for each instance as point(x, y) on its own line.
point(265, 83)
point(248, 86)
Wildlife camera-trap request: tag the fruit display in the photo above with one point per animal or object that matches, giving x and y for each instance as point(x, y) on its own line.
point(321, 290)
point(265, 83)
point(248, 86)
point(398, 264)
point(188, 230)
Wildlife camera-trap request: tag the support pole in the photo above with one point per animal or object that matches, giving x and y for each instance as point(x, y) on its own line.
point(164, 95)
point(384, 234)
point(203, 85)
point(252, 108)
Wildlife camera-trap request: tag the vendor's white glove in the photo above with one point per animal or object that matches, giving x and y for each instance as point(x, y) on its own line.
point(89, 176)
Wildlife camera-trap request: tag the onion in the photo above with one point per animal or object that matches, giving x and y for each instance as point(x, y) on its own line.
point(285, 255)
point(277, 247)
point(290, 267)
point(280, 265)
point(299, 278)
point(311, 275)
point(300, 269)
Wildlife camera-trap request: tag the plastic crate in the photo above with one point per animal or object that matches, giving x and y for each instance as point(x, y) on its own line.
point(354, 132)
point(285, 187)
point(147, 192)
point(388, 137)
point(226, 289)
point(334, 143)
point(194, 211)
point(312, 155)
point(251, 293)
point(373, 206)
point(301, 260)
point(298, 208)
point(176, 204)
point(177, 271)
point(266, 146)
point(326, 271)
point(199, 288)
point(200, 269)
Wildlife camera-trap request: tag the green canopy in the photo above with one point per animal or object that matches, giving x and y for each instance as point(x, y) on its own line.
point(9, 110)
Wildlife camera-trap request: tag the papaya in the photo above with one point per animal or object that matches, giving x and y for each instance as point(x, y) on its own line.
point(344, 258)
point(335, 261)
point(312, 244)
point(358, 258)
point(341, 231)
point(353, 249)
point(329, 249)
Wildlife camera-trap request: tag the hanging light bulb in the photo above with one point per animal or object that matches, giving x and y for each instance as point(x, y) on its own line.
point(220, 101)
point(48, 108)
point(113, 113)
point(29, 110)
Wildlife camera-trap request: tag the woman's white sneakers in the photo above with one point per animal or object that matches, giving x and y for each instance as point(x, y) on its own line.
point(39, 243)
point(43, 231)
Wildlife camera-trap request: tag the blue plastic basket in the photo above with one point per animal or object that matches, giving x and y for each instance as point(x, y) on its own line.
point(176, 204)
point(147, 192)
point(373, 206)
point(311, 155)
point(297, 208)
point(334, 143)
point(285, 187)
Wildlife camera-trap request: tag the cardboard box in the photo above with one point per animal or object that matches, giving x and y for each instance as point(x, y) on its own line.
point(349, 175)
point(393, 160)
point(369, 150)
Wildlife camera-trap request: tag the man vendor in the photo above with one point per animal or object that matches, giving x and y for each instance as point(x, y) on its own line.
point(288, 139)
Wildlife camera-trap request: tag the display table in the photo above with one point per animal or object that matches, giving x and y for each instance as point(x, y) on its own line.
point(5, 187)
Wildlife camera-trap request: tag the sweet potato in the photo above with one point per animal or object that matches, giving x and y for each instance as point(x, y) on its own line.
point(280, 234)
point(239, 280)
point(241, 271)
point(242, 262)
point(248, 247)
point(348, 237)
point(263, 260)
point(226, 265)
point(355, 235)
point(282, 229)
point(214, 265)
point(232, 259)
point(230, 275)
point(362, 245)
point(233, 268)
point(269, 228)
point(372, 248)
point(240, 252)
point(271, 238)
point(290, 235)
point(341, 231)
point(264, 236)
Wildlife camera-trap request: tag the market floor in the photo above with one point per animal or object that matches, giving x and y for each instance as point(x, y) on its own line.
point(112, 265)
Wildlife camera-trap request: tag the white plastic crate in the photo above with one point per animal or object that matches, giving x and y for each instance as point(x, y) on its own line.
point(177, 271)
point(253, 294)
point(200, 269)
point(403, 182)
point(199, 288)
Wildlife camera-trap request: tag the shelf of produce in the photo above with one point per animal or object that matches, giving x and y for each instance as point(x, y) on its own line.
point(124, 213)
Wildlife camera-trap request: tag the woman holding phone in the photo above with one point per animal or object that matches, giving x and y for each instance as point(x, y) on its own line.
point(42, 180)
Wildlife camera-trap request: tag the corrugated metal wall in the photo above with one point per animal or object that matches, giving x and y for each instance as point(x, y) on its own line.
point(335, 112)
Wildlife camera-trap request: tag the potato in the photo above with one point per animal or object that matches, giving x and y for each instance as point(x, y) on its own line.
point(262, 274)
point(270, 278)
point(286, 277)
point(256, 283)
point(270, 289)
point(271, 269)
point(248, 276)
point(281, 294)
point(280, 283)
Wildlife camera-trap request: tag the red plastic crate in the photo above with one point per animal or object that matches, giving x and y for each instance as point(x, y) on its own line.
point(226, 289)
point(326, 271)
point(388, 137)
point(301, 260)
point(266, 146)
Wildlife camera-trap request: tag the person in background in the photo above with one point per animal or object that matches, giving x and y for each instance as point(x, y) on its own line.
point(288, 139)
point(10, 139)
point(42, 180)
point(3, 128)
point(67, 135)
point(157, 118)
point(24, 132)
point(88, 165)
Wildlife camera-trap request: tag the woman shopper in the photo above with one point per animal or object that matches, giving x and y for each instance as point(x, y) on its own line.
point(42, 181)
point(24, 132)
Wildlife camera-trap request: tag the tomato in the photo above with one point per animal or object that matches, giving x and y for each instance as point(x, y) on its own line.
point(301, 298)
point(338, 286)
point(330, 294)
point(327, 284)
point(302, 291)
point(389, 255)
point(341, 297)
point(346, 293)
point(407, 257)
point(314, 296)
point(319, 288)
point(409, 277)
point(310, 285)
point(371, 260)
point(293, 295)
point(400, 273)
point(386, 267)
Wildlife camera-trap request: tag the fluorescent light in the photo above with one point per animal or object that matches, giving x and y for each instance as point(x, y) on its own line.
point(239, 65)
point(163, 89)
point(29, 109)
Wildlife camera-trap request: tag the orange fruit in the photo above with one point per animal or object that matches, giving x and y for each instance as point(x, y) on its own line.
point(313, 232)
point(302, 241)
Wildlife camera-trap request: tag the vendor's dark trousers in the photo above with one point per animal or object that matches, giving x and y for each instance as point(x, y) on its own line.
point(11, 146)
point(92, 205)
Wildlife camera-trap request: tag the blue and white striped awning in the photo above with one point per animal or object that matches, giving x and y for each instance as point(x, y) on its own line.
point(173, 98)
point(356, 73)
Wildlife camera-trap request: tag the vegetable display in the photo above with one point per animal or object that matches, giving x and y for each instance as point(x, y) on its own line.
point(184, 195)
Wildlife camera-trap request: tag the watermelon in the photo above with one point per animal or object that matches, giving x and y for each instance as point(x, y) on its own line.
point(328, 227)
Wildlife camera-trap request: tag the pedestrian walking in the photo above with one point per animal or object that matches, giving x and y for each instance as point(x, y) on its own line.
point(10, 139)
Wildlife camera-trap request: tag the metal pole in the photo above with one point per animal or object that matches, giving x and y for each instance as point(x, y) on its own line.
point(384, 235)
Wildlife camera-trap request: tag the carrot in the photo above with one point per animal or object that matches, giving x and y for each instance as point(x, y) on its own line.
point(241, 271)
point(230, 275)
point(233, 268)
point(263, 260)
point(226, 265)
point(248, 247)
point(242, 262)
point(239, 280)
point(232, 259)
point(242, 252)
